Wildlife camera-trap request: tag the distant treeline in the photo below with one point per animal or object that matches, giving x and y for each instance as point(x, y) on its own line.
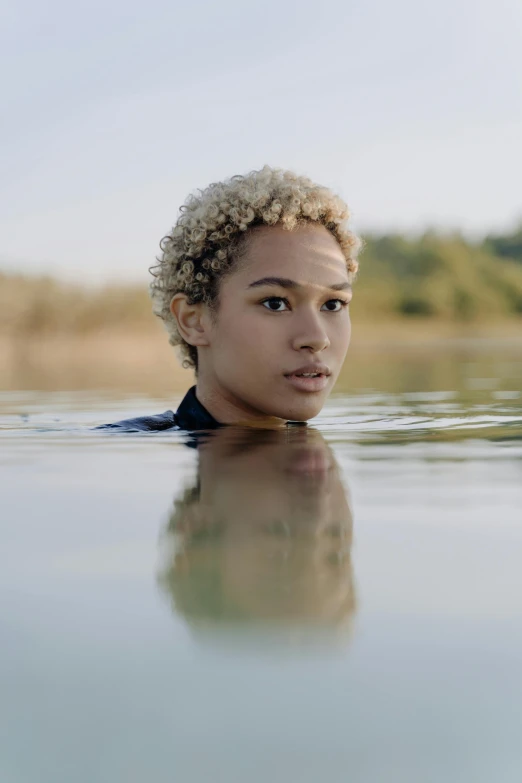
point(434, 276)
point(43, 305)
point(441, 276)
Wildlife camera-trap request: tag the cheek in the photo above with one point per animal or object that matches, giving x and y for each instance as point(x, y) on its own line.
point(340, 335)
point(348, 330)
point(248, 335)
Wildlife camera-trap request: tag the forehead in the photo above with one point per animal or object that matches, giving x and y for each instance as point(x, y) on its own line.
point(308, 253)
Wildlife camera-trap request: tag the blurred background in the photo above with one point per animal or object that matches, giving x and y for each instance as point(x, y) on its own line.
point(114, 112)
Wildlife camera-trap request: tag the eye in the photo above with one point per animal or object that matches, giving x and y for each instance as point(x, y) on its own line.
point(273, 304)
point(334, 305)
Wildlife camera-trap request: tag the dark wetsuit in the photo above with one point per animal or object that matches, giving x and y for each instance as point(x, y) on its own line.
point(191, 415)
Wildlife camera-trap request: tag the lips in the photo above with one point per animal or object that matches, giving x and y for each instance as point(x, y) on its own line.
point(309, 377)
point(308, 370)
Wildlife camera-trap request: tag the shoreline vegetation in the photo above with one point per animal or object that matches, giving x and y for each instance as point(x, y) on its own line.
point(412, 294)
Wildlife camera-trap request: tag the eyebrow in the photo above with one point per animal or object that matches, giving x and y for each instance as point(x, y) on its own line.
point(285, 282)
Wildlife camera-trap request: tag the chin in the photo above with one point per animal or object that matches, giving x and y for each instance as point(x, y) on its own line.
point(300, 410)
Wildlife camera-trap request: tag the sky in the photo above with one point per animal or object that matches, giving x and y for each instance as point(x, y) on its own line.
point(113, 112)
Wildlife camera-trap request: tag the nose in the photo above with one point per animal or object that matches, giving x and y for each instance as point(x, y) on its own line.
point(310, 333)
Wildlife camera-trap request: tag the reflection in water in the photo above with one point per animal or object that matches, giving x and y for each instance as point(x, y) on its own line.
point(263, 536)
point(99, 683)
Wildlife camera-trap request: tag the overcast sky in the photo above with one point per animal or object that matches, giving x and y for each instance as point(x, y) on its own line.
point(112, 112)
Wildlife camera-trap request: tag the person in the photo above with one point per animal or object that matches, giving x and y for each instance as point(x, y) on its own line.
point(261, 537)
point(253, 286)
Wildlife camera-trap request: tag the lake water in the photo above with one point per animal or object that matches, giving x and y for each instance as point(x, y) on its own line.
point(332, 603)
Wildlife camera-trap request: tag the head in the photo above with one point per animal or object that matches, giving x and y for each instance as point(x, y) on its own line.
point(253, 284)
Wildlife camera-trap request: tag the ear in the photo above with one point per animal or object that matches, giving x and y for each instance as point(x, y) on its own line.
point(191, 319)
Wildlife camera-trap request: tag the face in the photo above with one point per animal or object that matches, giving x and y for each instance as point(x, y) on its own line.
point(282, 329)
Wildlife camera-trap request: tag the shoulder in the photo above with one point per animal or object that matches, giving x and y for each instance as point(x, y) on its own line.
point(161, 421)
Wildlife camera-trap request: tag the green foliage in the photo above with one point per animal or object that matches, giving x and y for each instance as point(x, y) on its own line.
point(436, 276)
point(507, 245)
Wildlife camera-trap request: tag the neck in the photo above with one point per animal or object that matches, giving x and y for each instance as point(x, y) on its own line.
point(226, 408)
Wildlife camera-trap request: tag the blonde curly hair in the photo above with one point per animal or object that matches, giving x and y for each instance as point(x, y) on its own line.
point(212, 230)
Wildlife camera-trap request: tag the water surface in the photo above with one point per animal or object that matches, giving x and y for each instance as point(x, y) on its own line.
point(337, 603)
